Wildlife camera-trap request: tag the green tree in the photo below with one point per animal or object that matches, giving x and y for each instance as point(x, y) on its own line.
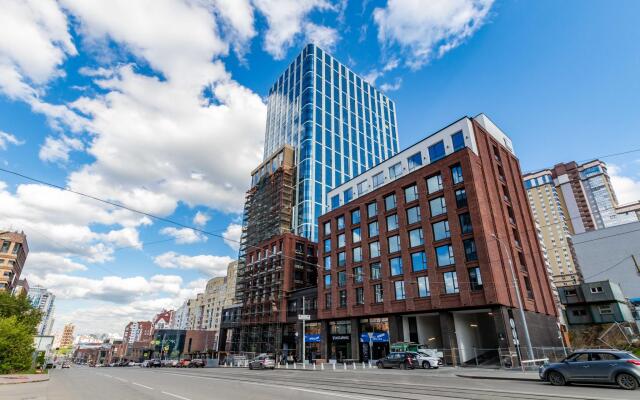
point(16, 345)
point(21, 308)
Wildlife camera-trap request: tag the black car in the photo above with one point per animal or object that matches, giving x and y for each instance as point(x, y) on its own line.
point(402, 360)
point(197, 363)
point(155, 363)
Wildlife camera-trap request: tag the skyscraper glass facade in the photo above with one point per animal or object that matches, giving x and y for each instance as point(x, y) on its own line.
point(339, 125)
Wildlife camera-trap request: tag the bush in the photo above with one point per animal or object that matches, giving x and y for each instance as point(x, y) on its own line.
point(16, 346)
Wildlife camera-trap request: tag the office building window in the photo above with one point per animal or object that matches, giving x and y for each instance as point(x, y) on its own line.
point(416, 237)
point(327, 228)
point(357, 254)
point(340, 222)
point(327, 262)
point(451, 282)
point(375, 270)
point(399, 286)
point(392, 222)
point(374, 249)
point(5, 246)
point(434, 184)
point(465, 223)
point(341, 240)
point(348, 195)
point(377, 293)
point(438, 206)
point(395, 265)
point(390, 202)
point(413, 215)
point(458, 141)
point(441, 230)
point(414, 161)
point(461, 198)
point(327, 300)
point(342, 259)
point(356, 235)
point(419, 261)
point(335, 201)
point(423, 286)
point(327, 245)
point(456, 174)
point(470, 250)
point(445, 255)
point(411, 193)
point(342, 278)
point(362, 187)
point(395, 170)
point(327, 281)
point(394, 243)
point(372, 209)
point(357, 275)
point(378, 179)
point(436, 151)
point(359, 296)
point(475, 279)
point(355, 217)
point(343, 298)
point(373, 229)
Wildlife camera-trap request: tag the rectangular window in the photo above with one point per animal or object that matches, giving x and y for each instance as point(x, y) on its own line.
point(327, 245)
point(373, 229)
point(441, 230)
point(399, 286)
point(327, 300)
point(475, 279)
point(445, 255)
point(596, 289)
point(357, 254)
point(375, 270)
point(359, 296)
point(357, 275)
point(374, 249)
point(436, 151)
point(327, 263)
point(341, 240)
point(378, 293)
point(362, 187)
point(413, 215)
point(438, 206)
point(605, 309)
point(327, 228)
point(456, 174)
point(340, 222)
point(394, 243)
point(470, 250)
point(342, 278)
point(348, 195)
point(390, 202)
point(461, 198)
point(343, 298)
point(335, 201)
point(395, 265)
point(434, 184)
point(378, 179)
point(419, 261)
point(458, 141)
point(416, 237)
point(342, 259)
point(451, 282)
point(395, 170)
point(355, 235)
point(465, 223)
point(5, 246)
point(411, 193)
point(423, 286)
point(372, 210)
point(392, 222)
point(355, 217)
point(327, 281)
point(414, 161)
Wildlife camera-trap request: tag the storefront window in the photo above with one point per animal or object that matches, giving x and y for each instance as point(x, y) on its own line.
point(340, 340)
point(374, 338)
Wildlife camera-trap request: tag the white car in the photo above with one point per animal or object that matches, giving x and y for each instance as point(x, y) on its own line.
point(426, 361)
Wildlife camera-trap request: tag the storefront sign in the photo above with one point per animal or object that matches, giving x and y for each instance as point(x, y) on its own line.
point(340, 338)
point(312, 338)
point(376, 337)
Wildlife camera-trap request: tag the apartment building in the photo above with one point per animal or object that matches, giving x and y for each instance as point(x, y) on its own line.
point(13, 254)
point(43, 300)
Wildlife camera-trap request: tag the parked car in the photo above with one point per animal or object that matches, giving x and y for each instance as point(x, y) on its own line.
point(594, 366)
point(184, 363)
point(197, 363)
point(262, 361)
point(169, 363)
point(425, 361)
point(66, 365)
point(144, 364)
point(402, 360)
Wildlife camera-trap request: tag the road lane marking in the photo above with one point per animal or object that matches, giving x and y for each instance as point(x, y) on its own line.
point(120, 379)
point(140, 384)
point(175, 395)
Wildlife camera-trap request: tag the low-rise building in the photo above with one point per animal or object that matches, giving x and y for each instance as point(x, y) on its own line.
point(593, 303)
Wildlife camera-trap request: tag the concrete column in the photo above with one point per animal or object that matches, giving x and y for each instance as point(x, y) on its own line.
point(396, 332)
point(449, 339)
point(355, 339)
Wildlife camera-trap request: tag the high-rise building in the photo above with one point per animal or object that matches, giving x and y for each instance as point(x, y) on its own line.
point(67, 335)
point(43, 300)
point(13, 254)
point(137, 331)
point(338, 124)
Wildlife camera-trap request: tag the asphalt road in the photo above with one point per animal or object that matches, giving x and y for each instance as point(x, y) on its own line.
point(83, 383)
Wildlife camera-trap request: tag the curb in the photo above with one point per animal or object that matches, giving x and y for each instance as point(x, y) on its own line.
point(17, 381)
point(499, 378)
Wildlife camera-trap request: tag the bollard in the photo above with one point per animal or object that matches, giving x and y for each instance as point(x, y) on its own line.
point(322, 366)
point(344, 365)
point(286, 366)
point(370, 364)
point(314, 366)
point(304, 366)
point(294, 365)
point(354, 365)
point(364, 365)
point(334, 366)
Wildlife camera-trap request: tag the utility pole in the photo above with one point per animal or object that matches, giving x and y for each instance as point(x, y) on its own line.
point(304, 344)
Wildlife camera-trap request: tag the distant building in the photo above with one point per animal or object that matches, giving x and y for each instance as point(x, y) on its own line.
point(67, 335)
point(596, 303)
point(163, 319)
point(43, 300)
point(13, 254)
point(138, 331)
point(181, 316)
point(22, 287)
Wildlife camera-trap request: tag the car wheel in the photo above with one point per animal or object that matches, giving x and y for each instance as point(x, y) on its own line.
point(556, 379)
point(627, 381)
point(426, 365)
point(379, 365)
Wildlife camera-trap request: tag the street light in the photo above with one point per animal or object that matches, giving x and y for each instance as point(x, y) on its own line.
point(517, 286)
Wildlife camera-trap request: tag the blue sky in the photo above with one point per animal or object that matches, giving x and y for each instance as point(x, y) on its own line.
point(160, 106)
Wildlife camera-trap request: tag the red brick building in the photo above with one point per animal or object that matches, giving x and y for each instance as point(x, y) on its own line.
point(417, 249)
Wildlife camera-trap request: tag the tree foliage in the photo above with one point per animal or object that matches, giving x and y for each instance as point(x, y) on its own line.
point(21, 308)
point(18, 322)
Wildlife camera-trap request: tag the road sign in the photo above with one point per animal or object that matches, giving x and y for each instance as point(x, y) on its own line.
point(304, 317)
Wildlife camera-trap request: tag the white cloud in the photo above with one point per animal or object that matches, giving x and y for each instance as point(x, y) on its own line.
point(57, 150)
point(7, 138)
point(322, 36)
point(184, 235)
point(627, 188)
point(201, 219)
point(390, 87)
point(41, 263)
point(427, 29)
point(237, 23)
point(207, 264)
point(232, 236)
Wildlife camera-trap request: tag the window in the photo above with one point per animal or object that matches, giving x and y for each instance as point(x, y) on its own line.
point(441, 230)
point(355, 235)
point(341, 240)
point(335, 201)
point(458, 141)
point(411, 193)
point(377, 293)
point(596, 289)
point(456, 174)
point(394, 243)
point(413, 215)
point(579, 313)
point(395, 264)
point(374, 249)
point(465, 223)
point(355, 217)
point(438, 206)
point(395, 170)
point(423, 286)
point(399, 285)
point(392, 222)
point(327, 281)
point(373, 229)
point(416, 237)
point(603, 357)
point(342, 259)
point(434, 184)
point(605, 309)
point(327, 228)
point(348, 195)
point(436, 151)
point(378, 179)
point(414, 161)
point(475, 279)
point(357, 275)
point(372, 210)
point(343, 298)
point(390, 202)
point(327, 300)
point(527, 285)
point(357, 254)
point(327, 263)
point(327, 245)
point(444, 255)
point(470, 250)
point(340, 222)
point(359, 296)
point(419, 261)
point(375, 270)
point(461, 198)
point(342, 278)
point(5, 246)
point(362, 188)
point(451, 282)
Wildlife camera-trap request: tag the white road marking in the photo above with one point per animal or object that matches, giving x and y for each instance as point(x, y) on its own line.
point(108, 376)
point(144, 386)
point(176, 396)
point(120, 379)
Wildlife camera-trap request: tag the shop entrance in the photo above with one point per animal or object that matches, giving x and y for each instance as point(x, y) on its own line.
point(374, 338)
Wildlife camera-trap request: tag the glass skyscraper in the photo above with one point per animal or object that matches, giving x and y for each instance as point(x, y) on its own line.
point(338, 123)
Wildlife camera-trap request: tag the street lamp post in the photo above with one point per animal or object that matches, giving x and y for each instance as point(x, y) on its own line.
point(518, 296)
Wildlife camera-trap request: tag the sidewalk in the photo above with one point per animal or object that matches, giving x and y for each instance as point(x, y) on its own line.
point(499, 374)
point(23, 378)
